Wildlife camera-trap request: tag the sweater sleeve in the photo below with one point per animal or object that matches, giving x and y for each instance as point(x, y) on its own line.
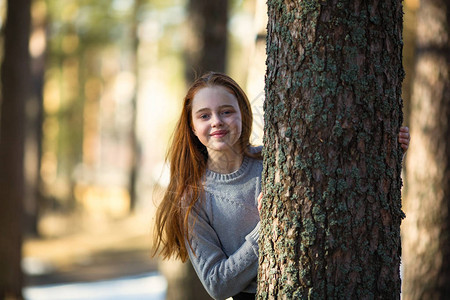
point(222, 276)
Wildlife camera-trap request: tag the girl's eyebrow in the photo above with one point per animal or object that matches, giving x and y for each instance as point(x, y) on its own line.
point(202, 110)
point(208, 109)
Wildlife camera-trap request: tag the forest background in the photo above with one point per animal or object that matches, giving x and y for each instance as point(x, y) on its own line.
point(107, 82)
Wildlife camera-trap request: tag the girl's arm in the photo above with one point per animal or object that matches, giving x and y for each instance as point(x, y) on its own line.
point(222, 276)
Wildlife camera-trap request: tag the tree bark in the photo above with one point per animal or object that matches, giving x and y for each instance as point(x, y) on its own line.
point(331, 180)
point(426, 236)
point(15, 72)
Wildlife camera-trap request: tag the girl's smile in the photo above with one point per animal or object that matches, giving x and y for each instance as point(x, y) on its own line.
point(219, 133)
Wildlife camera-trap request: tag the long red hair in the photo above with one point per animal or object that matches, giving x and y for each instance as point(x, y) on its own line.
point(187, 158)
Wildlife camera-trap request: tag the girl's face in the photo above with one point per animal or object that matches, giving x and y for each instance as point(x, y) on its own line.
point(217, 120)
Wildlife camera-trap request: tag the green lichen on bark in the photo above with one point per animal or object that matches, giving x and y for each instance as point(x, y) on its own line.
point(331, 212)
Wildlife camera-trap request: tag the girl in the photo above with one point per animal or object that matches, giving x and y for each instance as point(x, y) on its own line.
point(210, 209)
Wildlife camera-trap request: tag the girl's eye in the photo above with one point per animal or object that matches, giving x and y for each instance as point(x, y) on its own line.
point(227, 112)
point(204, 116)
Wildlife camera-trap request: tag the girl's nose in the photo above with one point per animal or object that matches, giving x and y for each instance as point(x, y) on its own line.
point(216, 120)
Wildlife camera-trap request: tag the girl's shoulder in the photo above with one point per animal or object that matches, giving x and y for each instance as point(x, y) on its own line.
point(255, 149)
point(254, 152)
point(255, 159)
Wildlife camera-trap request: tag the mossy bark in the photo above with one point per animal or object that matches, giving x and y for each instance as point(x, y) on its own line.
point(332, 206)
point(426, 232)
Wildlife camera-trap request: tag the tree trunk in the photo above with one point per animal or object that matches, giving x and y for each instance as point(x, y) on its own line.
point(15, 72)
point(34, 118)
point(426, 231)
point(331, 180)
point(134, 144)
point(206, 42)
point(182, 281)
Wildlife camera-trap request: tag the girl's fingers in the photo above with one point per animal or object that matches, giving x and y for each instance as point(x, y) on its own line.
point(403, 134)
point(404, 137)
point(403, 141)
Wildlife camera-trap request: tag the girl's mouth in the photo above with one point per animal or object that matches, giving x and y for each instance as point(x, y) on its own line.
point(219, 133)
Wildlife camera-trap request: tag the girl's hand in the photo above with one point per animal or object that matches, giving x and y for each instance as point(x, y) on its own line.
point(404, 138)
point(259, 201)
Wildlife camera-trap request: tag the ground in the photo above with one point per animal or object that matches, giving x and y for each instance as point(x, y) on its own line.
point(98, 249)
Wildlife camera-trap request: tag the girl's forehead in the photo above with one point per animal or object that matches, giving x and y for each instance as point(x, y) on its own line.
point(213, 96)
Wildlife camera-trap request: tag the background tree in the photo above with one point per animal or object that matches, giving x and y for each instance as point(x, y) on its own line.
point(426, 236)
point(90, 111)
point(34, 117)
point(15, 80)
point(206, 42)
point(134, 66)
point(331, 211)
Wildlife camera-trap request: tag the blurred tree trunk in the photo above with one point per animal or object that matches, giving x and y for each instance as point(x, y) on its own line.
point(15, 76)
point(182, 281)
point(206, 42)
point(332, 207)
point(135, 153)
point(426, 235)
point(34, 117)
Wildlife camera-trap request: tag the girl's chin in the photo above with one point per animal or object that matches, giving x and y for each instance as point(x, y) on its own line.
point(225, 148)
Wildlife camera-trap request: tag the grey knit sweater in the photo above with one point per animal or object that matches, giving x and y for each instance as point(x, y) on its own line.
point(225, 231)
